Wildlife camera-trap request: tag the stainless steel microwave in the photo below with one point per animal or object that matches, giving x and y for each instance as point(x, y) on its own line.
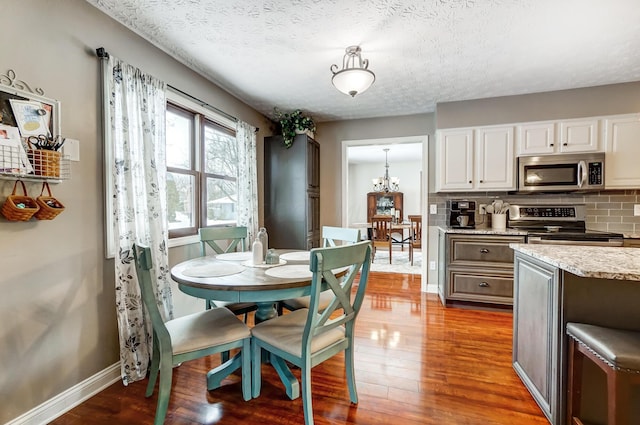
point(561, 173)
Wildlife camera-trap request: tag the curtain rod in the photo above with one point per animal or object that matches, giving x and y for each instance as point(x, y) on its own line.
point(103, 54)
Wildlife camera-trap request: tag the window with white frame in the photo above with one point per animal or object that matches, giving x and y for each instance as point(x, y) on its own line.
point(202, 168)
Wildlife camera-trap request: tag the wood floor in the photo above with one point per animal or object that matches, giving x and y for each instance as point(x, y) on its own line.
point(417, 363)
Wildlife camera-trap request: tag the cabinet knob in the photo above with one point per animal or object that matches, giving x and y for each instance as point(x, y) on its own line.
point(480, 181)
point(483, 284)
point(565, 144)
point(484, 250)
point(470, 181)
point(550, 144)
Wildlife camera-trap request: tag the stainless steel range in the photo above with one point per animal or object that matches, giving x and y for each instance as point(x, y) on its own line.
point(559, 225)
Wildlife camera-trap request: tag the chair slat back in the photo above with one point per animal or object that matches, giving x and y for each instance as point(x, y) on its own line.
point(381, 225)
point(416, 230)
point(144, 265)
point(332, 235)
point(357, 257)
point(233, 235)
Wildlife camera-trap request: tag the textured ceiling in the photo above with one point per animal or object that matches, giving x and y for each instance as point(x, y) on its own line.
point(277, 53)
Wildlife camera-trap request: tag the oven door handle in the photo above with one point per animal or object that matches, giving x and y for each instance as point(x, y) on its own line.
point(582, 173)
point(540, 240)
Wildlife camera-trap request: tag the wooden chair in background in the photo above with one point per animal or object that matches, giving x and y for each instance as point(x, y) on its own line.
point(332, 236)
point(306, 337)
point(381, 233)
point(415, 235)
point(188, 338)
point(234, 237)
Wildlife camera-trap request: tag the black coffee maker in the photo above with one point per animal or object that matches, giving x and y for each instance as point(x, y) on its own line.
point(462, 214)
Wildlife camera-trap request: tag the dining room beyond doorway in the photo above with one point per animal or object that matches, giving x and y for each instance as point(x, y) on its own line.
point(366, 166)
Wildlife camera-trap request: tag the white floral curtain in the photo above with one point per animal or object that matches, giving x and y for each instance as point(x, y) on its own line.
point(136, 120)
point(247, 179)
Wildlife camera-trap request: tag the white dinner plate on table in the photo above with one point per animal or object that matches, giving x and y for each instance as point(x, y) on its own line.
point(235, 256)
point(213, 270)
point(249, 263)
point(290, 271)
point(295, 256)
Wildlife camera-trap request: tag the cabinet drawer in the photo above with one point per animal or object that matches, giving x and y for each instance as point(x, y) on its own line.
point(483, 251)
point(467, 286)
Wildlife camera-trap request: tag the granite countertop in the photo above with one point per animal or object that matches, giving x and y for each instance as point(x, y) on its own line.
point(483, 231)
point(601, 262)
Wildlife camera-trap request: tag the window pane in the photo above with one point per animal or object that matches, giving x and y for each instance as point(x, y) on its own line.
point(222, 201)
point(179, 139)
point(180, 200)
point(220, 152)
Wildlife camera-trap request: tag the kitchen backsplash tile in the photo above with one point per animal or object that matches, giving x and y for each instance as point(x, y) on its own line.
point(610, 210)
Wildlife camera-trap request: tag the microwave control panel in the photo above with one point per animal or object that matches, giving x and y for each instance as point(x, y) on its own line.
point(595, 173)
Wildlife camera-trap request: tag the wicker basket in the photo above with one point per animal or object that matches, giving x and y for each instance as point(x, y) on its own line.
point(45, 162)
point(50, 207)
point(19, 207)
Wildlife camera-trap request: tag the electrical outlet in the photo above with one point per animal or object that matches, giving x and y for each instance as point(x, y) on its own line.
point(432, 265)
point(483, 209)
point(433, 209)
point(636, 209)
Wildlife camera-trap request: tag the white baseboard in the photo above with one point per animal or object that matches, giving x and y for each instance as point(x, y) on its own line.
point(67, 400)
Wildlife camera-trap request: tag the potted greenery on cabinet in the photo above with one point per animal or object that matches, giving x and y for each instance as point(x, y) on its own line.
point(293, 123)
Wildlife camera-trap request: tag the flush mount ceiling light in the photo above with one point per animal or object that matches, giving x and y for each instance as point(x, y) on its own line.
point(354, 77)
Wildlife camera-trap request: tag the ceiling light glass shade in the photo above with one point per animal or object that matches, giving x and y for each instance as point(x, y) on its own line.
point(354, 77)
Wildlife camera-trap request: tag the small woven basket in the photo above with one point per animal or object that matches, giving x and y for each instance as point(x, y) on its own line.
point(19, 207)
point(45, 162)
point(50, 207)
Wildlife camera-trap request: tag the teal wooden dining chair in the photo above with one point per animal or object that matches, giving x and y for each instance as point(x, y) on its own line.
point(189, 337)
point(306, 337)
point(331, 236)
point(233, 236)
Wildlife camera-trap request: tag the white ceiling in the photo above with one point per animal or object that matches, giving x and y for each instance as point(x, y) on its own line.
point(277, 53)
point(398, 152)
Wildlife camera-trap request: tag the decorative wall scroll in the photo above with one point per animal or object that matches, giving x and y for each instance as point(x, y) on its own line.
point(31, 113)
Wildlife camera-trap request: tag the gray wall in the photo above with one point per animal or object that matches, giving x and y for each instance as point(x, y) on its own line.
point(331, 134)
point(58, 306)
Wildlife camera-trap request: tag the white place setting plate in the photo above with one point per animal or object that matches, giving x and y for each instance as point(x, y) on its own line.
point(235, 256)
point(213, 270)
point(290, 271)
point(296, 256)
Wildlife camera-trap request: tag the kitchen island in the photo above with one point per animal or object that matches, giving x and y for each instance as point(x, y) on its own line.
point(556, 284)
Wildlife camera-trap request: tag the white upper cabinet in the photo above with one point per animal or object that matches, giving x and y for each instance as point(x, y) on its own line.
point(622, 152)
point(537, 138)
point(454, 150)
point(495, 158)
point(481, 159)
point(579, 135)
point(566, 136)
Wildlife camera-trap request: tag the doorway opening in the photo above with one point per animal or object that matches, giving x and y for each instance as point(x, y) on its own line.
point(366, 160)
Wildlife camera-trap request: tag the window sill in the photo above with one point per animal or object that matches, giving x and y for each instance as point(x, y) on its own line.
point(185, 240)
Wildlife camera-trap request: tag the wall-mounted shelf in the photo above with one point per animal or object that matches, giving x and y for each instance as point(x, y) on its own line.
point(35, 166)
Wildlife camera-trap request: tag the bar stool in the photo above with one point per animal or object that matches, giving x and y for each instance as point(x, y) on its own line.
point(617, 353)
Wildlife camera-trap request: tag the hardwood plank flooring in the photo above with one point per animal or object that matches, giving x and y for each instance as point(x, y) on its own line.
point(417, 363)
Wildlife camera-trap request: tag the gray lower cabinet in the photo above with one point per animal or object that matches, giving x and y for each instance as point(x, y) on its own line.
point(536, 332)
point(477, 268)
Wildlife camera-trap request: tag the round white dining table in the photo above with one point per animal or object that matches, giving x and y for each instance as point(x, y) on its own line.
point(232, 278)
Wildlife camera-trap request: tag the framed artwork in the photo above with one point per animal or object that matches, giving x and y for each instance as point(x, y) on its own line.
point(31, 117)
point(31, 113)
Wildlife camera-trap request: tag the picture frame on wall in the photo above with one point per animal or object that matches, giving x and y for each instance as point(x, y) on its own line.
point(28, 104)
point(32, 117)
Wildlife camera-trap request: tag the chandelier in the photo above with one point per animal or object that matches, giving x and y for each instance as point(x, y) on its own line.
point(354, 78)
point(386, 183)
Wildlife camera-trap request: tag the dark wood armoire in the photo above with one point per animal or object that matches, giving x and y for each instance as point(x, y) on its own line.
point(292, 192)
